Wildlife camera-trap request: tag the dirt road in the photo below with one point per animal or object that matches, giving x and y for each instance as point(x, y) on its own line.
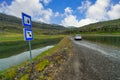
point(89, 64)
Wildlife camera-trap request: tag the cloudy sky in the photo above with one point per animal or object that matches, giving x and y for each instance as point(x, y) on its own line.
point(64, 12)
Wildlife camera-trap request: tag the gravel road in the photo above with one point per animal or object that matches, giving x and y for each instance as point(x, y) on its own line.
point(90, 64)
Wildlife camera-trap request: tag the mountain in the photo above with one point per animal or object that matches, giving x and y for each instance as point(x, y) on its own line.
point(112, 26)
point(11, 24)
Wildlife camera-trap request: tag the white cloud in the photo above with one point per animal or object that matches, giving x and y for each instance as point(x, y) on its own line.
point(46, 1)
point(71, 20)
point(98, 10)
point(68, 10)
point(31, 7)
point(86, 21)
point(48, 13)
point(3, 6)
point(57, 14)
point(114, 13)
point(85, 5)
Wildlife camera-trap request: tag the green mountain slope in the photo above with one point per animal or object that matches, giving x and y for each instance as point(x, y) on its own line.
point(11, 24)
point(112, 26)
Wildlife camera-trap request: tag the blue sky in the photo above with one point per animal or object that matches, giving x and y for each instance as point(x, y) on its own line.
point(64, 12)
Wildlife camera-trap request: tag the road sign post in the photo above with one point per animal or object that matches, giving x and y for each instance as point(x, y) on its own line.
point(30, 52)
point(27, 31)
point(28, 34)
point(26, 20)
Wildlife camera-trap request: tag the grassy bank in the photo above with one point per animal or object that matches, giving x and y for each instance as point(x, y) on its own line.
point(100, 34)
point(104, 39)
point(14, 44)
point(44, 66)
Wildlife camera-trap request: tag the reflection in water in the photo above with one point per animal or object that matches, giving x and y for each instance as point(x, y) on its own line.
point(14, 60)
point(109, 40)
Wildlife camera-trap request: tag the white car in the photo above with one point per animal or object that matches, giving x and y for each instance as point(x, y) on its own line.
point(78, 37)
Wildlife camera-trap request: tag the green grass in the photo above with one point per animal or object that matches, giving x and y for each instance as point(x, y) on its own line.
point(11, 37)
point(40, 66)
point(101, 33)
point(14, 44)
point(25, 77)
point(63, 44)
point(19, 37)
point(8, 74)
point(109, 40)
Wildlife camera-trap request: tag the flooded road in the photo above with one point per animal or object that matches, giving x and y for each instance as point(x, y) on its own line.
point(17, 59)
point(97, 61)
point(91, 61)
point(108, 51)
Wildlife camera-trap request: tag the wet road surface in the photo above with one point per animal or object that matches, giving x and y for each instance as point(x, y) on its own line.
point(92, 62)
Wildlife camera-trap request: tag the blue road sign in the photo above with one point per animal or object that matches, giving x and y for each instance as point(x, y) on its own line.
point(26, 20)
point(28, 34)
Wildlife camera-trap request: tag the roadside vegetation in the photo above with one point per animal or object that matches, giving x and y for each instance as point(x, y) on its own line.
point(109, 40)
point(44, 67)
point(14, 44)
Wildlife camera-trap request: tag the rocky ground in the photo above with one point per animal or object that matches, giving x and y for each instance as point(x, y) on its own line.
point(48, 72)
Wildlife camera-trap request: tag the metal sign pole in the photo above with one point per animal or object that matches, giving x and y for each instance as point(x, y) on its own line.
point(27, 23)
point(30, 52)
